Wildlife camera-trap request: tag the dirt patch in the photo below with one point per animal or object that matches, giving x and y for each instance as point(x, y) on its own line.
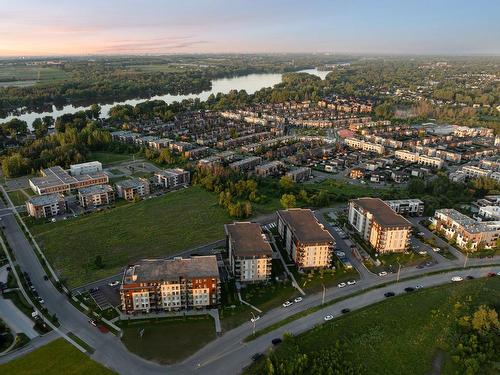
point(437, 362)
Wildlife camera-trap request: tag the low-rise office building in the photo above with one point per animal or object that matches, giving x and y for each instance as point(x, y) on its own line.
point(250, 254)
point(170, 285)
point(48, 205)
point(379, 225)
point(97, 195)
point(467, 233)
point(307, 242)
point(170, 178)
point(130, 189)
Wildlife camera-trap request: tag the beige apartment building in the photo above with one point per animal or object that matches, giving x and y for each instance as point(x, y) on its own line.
point(44, 206)
point(97, 195)
point(385, 230)
point(365, 146)
point(250, 254)
point(307, 242)
point(130, 189)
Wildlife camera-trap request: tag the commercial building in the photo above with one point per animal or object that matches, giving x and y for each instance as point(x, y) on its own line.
point(379, 225)
point(307, 242)
point(407, 207)
point(467, 233)
point(170, 285)
point(299, 174)
point(85, 168)
point(170, 178)
point(43, 206)
point(250, 254)
point(97, 195)
point(57, 180)
point(130, 189)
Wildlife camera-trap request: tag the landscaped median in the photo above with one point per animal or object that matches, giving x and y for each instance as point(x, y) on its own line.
point(312, 310)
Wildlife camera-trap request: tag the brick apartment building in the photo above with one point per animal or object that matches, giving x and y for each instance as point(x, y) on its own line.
point(385, 230)
point(43, 206)
point(97, 195)
point(305, 240)
point(250, 254)
point(170, 285)
point(130, 189)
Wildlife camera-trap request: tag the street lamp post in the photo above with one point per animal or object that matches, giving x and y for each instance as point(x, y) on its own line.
point(324, 291)
point(466, 258)
point(253, 321)
point(399, 270)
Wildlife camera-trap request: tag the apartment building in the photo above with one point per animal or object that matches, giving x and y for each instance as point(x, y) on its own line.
point(273, 168)
point(246, 164)
point(85, 168)
point(375, 221)
point(44, 206)
point(408, 156)
point(299, 174)
point(250, 254)
point(170, 285)
point(468, 233)
point(170, 178)
point(431, 161)
point(57, 180)
point(130, 189)
point(97, 195)
point(159, 144)
point(365, 146)
point(407, 207)
point(307, 242)
point(472, 171)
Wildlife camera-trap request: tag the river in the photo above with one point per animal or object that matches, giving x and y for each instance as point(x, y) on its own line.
point(250, 83)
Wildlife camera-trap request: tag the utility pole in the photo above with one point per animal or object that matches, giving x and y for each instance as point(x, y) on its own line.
point(399, 270)
point(253, 321)
point(324, 291)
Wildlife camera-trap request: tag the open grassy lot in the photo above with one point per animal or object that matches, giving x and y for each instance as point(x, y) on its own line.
point(17, 197)
point(22, 75)
point(168, 341)
point(55, 358)
point(399, 335)
point(154, 227)
point(109, 157)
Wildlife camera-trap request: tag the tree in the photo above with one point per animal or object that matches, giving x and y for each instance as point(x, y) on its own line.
point(99, 262)
point(288, 201)
point(41, 128)
point(286, 183)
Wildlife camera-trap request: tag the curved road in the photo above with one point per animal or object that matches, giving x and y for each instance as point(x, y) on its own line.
point(227, 354)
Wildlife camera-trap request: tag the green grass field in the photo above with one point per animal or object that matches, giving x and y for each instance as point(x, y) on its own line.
point(109, 157)
point(55, 358)
point(154, 227)
point(17, 197)
point(400, 335)
point(169, 340)
point(23, 75)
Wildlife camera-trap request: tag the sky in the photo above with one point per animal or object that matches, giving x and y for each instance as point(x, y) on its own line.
point(89, 27)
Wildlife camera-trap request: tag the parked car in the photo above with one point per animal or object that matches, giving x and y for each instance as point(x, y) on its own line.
point(469, 277)
point(340, 253)
point(341, 285)
point(383, 273)
point(422, 252)
point(345, 311)
point(409, 289)
point(93, 322)
point(257, 356)
point(491, 274)
point(253, 320)
point(421, 234)
point(277, 341)
point(45, 277)
point(298, 299)
point(456, 278)
point(351, 282)
point(389, 294)
point(419, 287)
point(328, 317)
point(114, 283)
point(287, 304)
point(436, 249)
point(40, 300)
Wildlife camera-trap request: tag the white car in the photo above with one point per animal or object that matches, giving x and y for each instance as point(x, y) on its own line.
point(422, 252)
point(383, 273)
point(114, 283)
point(340, 253)
point(351, 282)
point(457, 278)
point(328, 317)
point(298, 299)
point(287, 304)
point(419, 287)
point(253, 320)
point(341, 285)
point(436, 249)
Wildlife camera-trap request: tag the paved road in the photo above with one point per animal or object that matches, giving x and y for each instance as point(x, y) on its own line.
point(15, 319)
point(225, 354)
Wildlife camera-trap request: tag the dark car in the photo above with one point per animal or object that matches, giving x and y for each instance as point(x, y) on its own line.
point(345, 311)
point(277, 341)
point(491, 274)
point(389, 294)
point(257, 356)
point(409, 289)
point(470, 277)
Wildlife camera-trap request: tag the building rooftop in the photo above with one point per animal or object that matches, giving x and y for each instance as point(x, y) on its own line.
point(467, 223)
point(248, 240)
point(383, 214)
point(95, 189)
point(130, 184)
point(305, 226)
point(170, 172)
point(150, 270)
point(47, 199)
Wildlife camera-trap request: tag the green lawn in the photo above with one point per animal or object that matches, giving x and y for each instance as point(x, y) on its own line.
point(23, 75)
point(154, 227)
point(17, 197)
point(168, 341)
point(55, 358)
point(400, 335)
point(109, 157)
